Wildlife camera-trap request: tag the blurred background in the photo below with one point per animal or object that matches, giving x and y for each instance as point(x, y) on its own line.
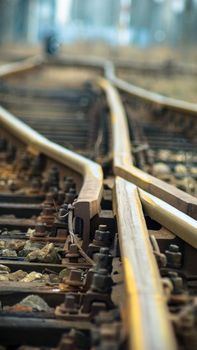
point(140, 30)
point(142, 23)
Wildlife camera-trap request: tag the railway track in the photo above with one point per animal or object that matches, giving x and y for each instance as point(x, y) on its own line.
point(76, 239)
point(64, 114)
point(164, 139)
point(169, 78)
point(164, 148)
point(163, 145)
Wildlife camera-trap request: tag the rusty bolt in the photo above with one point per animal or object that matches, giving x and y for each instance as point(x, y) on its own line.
point(74, 279)
point(102, 236)
point(101, 282)
point(70, 196)
point(174, 256)
point(177, 282)
point(69, 303)
point(103, 259)
point(47, 216)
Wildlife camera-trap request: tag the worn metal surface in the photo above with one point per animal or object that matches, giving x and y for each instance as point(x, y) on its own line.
point(145, 300)
point(91, 192)
point(81, 299)
point(123, 161)
point(51, 285)
point(182, 225)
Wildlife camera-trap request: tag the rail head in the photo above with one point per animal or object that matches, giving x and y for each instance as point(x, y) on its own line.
point(180, 200)
point(82, 61)
point(180, 106)
point(120, 133)
point(109, 72)
point(174, 220)
point(21, 66)
point(123, 163)
point(145, 310)
point(88, 202)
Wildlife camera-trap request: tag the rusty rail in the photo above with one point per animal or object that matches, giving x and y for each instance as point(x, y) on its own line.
point(177, 222)
point(146, 313)
point(145, 300)
point(123, 164)
point(88, 202)
point(156, 99)
point(20, 67)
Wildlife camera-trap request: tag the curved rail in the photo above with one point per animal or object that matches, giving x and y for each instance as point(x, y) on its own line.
point(109, 72)
point(123, 165)
point(123, 161)
point(146, 311)
point(144, 296)
point(19, 67)
point(147, 319)
point(145, 300)
point(104, 65)
point(88, 202)
point(157, 99)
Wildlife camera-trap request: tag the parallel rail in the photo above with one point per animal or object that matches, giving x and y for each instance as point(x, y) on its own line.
point(137, 254)
point(109, 71)
point(157, 99)
point(146, 314)
point(123, 164)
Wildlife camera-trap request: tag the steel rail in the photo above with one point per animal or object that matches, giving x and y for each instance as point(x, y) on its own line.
point(177, 222)
point(26, 64)
point(153, 97)
point(123, 164)
point(20, 67)
point(109, 72)
point(146, 312)
point(82, 61)
point(123, 161)
point(88, 202)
